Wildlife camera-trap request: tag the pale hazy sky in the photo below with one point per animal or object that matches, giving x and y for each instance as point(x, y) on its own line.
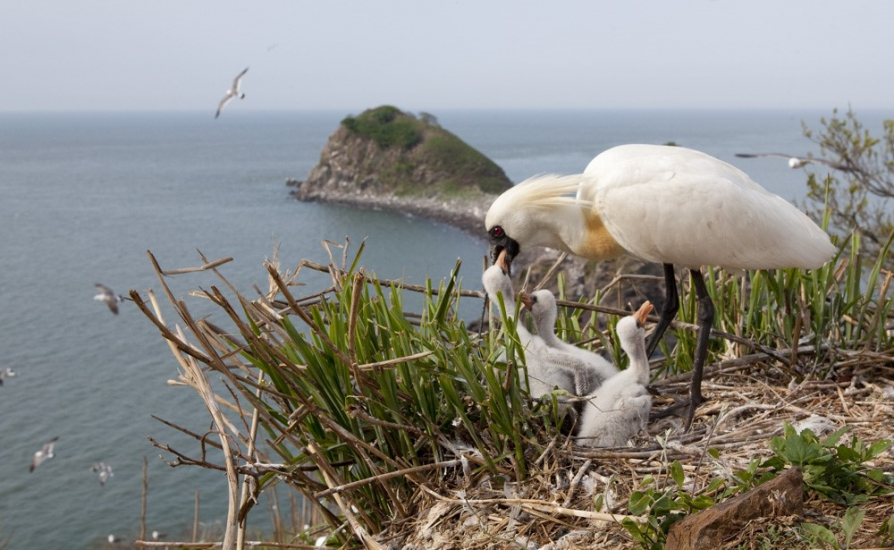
point(426, 55)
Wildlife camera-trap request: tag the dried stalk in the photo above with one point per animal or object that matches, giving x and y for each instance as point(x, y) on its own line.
point(249, 484)
point(194, 372)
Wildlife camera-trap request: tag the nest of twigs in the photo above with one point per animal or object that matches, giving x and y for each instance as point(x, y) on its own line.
point(748, 404)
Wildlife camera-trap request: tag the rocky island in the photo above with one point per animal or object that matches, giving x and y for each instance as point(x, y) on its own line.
point(392, 160)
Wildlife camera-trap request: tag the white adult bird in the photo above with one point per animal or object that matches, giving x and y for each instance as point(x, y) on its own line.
point(547, 369)
point(619, 408)
point(108, 296)
point(45, 453)
point(798, 162)
point(542, 305)
point(233, 92)
point(663, 204)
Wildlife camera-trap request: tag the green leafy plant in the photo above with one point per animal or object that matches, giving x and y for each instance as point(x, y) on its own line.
point(886, 530)
point(830, 467)
point(822, 536)
point(835, 470)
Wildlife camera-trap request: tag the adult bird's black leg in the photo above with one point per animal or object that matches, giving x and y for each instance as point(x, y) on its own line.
point(705, 320)
point(668, 309)
point(668, 312)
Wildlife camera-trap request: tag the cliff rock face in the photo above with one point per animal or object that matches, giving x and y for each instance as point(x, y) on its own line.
point(392, 160)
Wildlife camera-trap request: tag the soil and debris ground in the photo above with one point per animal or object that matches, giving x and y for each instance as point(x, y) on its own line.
point(747, 406)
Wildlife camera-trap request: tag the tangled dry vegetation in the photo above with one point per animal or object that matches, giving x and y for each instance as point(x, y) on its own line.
point(402, 429)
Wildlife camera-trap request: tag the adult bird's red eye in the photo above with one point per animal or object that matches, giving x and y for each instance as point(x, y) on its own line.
point(497, 231)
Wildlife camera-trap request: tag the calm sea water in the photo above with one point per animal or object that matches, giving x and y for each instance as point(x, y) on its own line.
point(84, 196)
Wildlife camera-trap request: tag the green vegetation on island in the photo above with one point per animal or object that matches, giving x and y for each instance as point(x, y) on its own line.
point(417, 151)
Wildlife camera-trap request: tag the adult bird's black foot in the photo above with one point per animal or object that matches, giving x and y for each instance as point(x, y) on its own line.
point(684, 408)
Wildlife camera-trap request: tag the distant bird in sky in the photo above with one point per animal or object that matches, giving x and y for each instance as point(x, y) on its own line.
point(269, 48)
point(45, 453)
point(6, 373)
point(232, 92)
point(798, 162)
point(104, 471)
point(108, 296)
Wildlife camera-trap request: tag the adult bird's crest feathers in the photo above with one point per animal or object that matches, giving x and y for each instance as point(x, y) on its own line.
point(543, 192)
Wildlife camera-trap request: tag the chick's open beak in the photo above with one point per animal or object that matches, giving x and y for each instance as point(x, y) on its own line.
point(526, 300)
point(501, 261)
point(643, 312)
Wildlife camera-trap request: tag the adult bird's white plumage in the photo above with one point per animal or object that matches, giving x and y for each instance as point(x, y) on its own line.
point(232, 93)
point(619, 408)
point(671, 205)
point(542, 305)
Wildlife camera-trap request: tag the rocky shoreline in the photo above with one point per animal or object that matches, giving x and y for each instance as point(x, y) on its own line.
point(463, 213)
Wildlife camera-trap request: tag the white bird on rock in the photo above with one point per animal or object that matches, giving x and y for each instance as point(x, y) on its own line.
point(798, 162)
point(233, 92)
point(542, 305)
point(547, 369)
point(663, 204)
point(619, 408)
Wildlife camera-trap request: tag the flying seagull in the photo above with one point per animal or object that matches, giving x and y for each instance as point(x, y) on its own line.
point(232, 92)
point(104, 470)
point(6, 373)
point(45, 452)
point(798, 162)
point(108, 296)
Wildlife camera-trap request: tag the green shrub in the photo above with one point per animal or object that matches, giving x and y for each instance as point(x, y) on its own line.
point(387, 126)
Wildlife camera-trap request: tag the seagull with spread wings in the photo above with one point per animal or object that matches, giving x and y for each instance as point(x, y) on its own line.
point(45, 453)
point(798, 162)
point(232, 92)
point(108, 296)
